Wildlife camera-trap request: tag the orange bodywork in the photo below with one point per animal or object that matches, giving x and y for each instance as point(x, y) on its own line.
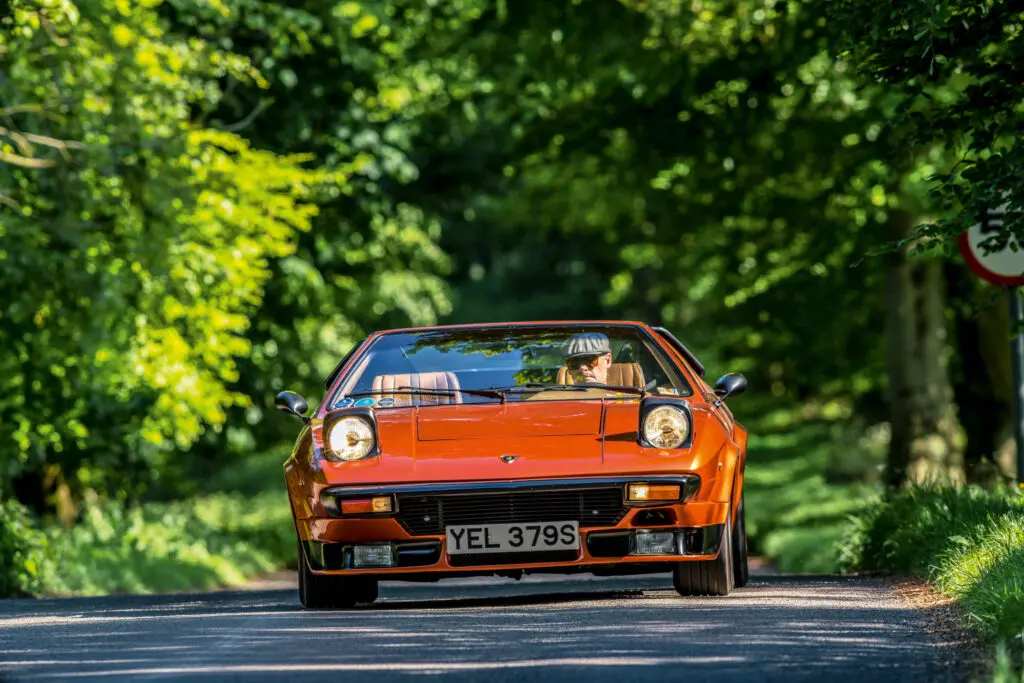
point(462, 444)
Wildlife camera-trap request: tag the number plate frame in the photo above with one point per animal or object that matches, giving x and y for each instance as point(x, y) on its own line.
point(531, 537)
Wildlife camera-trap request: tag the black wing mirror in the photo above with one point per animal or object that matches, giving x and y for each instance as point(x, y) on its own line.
point(290, 402)
point(732, 384)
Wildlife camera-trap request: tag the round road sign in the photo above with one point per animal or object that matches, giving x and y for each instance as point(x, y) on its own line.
point(1004, 267)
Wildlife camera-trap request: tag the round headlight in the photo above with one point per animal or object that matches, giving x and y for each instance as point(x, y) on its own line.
point(350, 438)
point(666, 427)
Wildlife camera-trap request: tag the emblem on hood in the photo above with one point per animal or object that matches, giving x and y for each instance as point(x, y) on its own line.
point(508, 459)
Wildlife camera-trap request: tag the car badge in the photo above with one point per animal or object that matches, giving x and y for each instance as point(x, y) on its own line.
point(508, 459)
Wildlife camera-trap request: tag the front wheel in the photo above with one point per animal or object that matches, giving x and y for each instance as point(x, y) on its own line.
point(319, 590)
point(707, 577)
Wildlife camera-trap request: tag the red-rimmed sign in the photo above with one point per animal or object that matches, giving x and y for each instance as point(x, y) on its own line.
point(1005, 267)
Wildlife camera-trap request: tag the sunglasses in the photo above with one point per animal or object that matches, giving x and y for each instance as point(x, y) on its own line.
point(588, 361)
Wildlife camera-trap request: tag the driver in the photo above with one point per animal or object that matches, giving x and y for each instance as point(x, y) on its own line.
point(588, 358)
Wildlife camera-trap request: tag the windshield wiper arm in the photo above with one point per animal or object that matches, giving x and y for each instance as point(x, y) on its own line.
point(529, 387)
point(488, 393)
point(584, 386)
point(541, 386)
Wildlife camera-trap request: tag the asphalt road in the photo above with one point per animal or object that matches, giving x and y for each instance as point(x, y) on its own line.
point(783, 628)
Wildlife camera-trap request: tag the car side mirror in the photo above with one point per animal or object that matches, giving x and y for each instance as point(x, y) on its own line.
point(732, 384)
point(290, 402)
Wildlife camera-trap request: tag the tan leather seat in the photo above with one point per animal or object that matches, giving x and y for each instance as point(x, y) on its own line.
point(620, 374)
point(439, 381)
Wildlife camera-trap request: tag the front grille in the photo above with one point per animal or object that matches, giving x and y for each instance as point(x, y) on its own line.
point(429, 514)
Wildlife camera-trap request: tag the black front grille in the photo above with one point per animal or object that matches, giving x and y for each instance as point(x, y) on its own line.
point(426, 514)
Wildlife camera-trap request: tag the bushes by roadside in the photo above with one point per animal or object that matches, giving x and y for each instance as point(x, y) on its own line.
point(200, 543)
point(22, 551)
point(797, 506)
point(969, 542)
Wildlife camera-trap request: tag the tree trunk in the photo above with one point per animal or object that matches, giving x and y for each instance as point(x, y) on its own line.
point(981, 384)
point(922, 415)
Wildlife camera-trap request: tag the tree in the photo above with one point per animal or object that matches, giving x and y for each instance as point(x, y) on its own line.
point(131, 266)
point(958, 67)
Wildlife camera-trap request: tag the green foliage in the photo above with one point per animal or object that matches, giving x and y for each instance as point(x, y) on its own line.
point(796, 513)
point(1008, 668)
point(955, 68)
point(341, 85)
point(969, 542)
point(683, 172)
point(202, 543)
point(156, 236)
point(22, 548)
point(238, 526)
point(226, 195)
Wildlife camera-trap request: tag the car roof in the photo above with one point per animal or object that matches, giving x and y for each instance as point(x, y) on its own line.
point(522, 323)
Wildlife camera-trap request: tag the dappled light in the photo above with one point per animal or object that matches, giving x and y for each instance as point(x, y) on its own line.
point(208, 204)
point(826, 627)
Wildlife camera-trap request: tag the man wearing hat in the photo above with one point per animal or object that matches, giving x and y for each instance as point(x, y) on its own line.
point(588, 358)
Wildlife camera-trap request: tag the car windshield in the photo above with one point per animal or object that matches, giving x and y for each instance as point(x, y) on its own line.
point(492, 364)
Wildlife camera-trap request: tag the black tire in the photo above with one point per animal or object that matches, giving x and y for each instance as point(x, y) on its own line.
point(741, 569)
point(333, 592)
point(707, 577)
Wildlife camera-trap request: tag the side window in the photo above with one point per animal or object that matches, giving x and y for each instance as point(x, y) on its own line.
point(685, 352)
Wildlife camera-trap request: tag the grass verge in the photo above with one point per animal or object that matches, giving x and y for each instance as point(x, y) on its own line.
point(969, 542)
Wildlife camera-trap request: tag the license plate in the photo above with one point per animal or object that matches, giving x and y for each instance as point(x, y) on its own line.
point(512, 538)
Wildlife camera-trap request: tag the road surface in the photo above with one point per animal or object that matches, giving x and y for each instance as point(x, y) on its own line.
point(547, 628)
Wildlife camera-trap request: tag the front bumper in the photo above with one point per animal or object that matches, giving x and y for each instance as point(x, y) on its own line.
point(418, 548)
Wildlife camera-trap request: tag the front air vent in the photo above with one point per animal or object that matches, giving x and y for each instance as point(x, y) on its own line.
point(424, 515)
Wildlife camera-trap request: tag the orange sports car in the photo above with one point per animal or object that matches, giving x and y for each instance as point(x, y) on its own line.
point(504, 449)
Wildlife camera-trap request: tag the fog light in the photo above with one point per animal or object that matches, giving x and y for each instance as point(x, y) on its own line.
point(649, 492)
point(654, 543)
point(377, 555)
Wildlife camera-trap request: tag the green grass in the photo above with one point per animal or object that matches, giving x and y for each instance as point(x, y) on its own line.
point(1007, 669)
point(969, 542)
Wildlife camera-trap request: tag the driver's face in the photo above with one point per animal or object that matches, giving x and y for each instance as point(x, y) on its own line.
point(590, 368)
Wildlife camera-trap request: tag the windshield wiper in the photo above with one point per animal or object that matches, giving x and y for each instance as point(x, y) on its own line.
point(538, 386)
point(531, 387)
point(408, 391)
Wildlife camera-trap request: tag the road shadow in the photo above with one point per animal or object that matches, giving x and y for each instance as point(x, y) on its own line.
point(779, 628)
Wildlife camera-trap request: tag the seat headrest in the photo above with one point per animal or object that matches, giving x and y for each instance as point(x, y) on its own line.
point(440, 381)
point(621, 374)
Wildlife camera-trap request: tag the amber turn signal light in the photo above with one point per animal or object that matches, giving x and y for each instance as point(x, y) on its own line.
point(641, 493)
point(366, 506)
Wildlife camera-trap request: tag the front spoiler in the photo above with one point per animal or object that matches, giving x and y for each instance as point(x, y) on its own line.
point(602, 551)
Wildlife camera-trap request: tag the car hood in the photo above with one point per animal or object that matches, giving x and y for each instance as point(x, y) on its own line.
point(528, 440)
point(510, 421)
